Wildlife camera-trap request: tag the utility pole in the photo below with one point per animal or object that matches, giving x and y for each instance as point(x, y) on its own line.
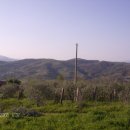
point(75, 76)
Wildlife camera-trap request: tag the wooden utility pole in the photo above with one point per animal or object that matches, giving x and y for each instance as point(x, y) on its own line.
point(75, 76)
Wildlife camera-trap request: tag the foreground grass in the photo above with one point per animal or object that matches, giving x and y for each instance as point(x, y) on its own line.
point(69, 116)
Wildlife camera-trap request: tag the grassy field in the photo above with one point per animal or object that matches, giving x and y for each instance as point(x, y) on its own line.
point(68, 116)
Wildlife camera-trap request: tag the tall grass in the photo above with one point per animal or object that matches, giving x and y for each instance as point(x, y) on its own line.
point(69, 116)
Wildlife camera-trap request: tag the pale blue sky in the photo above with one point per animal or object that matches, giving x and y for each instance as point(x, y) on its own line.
point(50, 29)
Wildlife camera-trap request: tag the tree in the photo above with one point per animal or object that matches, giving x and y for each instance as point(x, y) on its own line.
point(60, 77)
point(9, 90)
point(14, 81)
point(39, 91)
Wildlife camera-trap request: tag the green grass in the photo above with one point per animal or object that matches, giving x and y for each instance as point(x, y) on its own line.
point(69, 116)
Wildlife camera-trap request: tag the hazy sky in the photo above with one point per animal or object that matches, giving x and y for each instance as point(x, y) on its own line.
point(50, 29)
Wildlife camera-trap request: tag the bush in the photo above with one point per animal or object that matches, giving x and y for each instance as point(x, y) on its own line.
point(8, 90)
point(22, 111)
point(33, 113)
point(38, 92)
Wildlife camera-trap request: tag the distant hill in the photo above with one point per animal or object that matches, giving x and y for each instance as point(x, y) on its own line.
point(4, 58)
point(50, 69)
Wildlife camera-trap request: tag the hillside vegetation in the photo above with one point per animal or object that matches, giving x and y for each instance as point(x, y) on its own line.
point(50, 69)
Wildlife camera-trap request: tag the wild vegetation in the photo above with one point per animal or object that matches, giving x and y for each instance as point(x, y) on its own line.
point(103, 104)
point(68, 116)
point(104, 89)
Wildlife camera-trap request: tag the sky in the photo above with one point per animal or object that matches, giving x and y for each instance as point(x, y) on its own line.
point(51, 28)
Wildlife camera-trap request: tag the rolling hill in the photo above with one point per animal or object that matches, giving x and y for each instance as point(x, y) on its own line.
point(4, 58)
point(50, 69)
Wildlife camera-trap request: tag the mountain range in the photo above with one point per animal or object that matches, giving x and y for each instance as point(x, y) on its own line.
point(4, 58)
point(50, 69)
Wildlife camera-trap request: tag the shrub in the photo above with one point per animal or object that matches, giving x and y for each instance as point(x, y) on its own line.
point(22, 111)
point(33, 113)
